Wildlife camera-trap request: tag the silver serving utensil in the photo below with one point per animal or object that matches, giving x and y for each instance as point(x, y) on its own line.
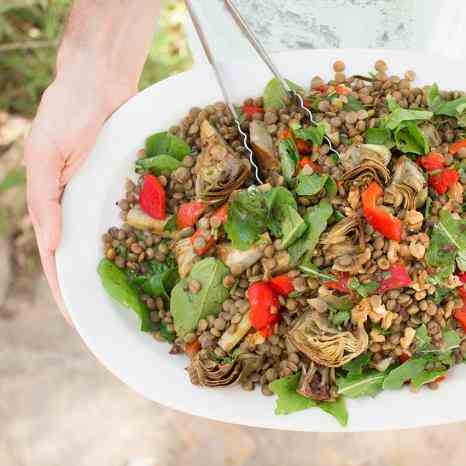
point(221, 83)
point(254, 41)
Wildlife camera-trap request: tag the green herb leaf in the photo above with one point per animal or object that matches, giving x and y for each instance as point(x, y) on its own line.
point(158, 281)
point(309, 185)
point(423, 340)
point(159, 164)
point(441, 293)
point(357, 365)
point(276, 199)
point(410, 139)
point(380, 136)
point(407, 371)
point(289, 158)
point(353, 104)
point(441, 254)
point(440, 106)
point(363, 289)
point(337, 409)
point(289, 401)
point(338, 318)
point(426, 377)
point(428, 207)
point(167, 144)
point(293, 226)
point(274, 95)
point(171, 224)
point(356, 386)
point(15, 177)
point(247, 218)
point(316, 218)
point(315, 134)
point(308, 268)
point(188, 308)
point(399, 115)
point(118, 285)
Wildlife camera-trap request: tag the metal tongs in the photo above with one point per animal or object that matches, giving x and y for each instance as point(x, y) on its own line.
point(259, 48)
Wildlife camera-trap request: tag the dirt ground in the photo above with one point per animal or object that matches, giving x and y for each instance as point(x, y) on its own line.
point(59, 406)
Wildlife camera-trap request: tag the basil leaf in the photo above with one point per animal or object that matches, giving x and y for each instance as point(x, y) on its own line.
point(276, 199)
point(440, 106)
point(159, 164)
point(363, 289)
point(188, 308)
point(356, 366)
point(356, 386)
point(289, 158)
point(118, 285)
point(410, 139)
point(316, 218)
point(407, 371)
point(380, 136)
point(337, 409)
point(315, 134)
point(247, 218)
point(309, 185)
point(275, 96)
point(293, 226)
point(168, 144)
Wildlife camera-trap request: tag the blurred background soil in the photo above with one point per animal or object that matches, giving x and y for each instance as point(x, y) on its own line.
point(58, 405)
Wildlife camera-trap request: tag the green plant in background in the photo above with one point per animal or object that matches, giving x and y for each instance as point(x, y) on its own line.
point(30, 32)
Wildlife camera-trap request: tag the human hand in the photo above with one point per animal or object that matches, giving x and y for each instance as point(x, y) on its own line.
point(70, 116)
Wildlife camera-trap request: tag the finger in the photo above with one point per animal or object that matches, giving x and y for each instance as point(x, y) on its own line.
point(47, 258)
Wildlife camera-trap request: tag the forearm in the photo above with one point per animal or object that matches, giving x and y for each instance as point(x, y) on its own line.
point(107, 40)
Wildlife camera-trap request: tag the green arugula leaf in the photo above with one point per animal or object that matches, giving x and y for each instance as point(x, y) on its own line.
point(426, 377)
point(167, 144)
point(316, 218)
point(159, 164)
point(118, 286)
point(441, 253)
point(440, 106)
point(308, 268)
point(315, 134)
point(410, 139)
point(289, 159)
point(188, 308)
point(337, 409)
point(399, 115)
point(357, 365)
point(363, 289)
point(380, 136)
point(293, 226)
point(356, 386)
point(289, 400)
point(407, 371)
point(275, 96)
point(247, 218)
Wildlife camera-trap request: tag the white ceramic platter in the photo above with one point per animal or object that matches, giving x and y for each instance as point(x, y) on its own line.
point(111, 332)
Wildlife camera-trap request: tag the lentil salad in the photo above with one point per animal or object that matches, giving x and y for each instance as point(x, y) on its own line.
point(339, 277)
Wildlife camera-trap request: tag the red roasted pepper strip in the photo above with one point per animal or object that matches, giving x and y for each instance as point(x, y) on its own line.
point(251, 109)
point(457, 146)
point(381, 220)
point(397, 278)
point(307, 161)
point(341, 285)
point(282, 285)
point(432, 161)
point(209, 241)
point(221, 214)
point(460, 316)
point(341, 89)
point(443, 181)
point(189, 213)
point(153, 198)
point(264, 305)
